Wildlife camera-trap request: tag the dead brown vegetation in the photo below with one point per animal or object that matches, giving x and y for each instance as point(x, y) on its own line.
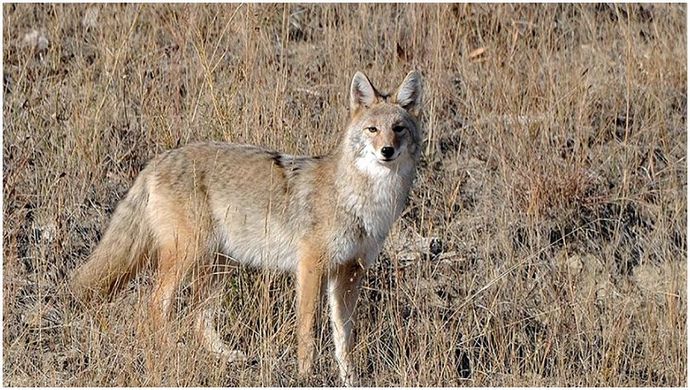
point(544, 244)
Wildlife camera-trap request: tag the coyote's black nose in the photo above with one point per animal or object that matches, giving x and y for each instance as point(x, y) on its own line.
point(387, 151)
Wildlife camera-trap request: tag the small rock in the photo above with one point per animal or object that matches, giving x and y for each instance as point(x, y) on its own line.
point(574, 265)
point(604, 293)
point(90, 19)
point(36, 40)
point(660, 281)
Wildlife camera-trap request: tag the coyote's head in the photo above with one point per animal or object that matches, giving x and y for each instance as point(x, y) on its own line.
point(384, 133)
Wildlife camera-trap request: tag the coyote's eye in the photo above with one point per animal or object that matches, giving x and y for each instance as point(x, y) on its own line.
point(372, 129)
point(399, 129)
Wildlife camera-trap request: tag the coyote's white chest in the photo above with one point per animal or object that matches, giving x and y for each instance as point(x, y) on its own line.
point(381, 203)
point(374, 209)
point(378, 207)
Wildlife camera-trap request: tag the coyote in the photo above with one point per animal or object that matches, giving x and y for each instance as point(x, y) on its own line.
point(320, 217)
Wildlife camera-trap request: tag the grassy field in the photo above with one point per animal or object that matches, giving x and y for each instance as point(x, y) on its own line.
point(544, 242)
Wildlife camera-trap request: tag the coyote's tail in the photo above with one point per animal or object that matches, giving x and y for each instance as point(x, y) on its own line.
point(121, 251)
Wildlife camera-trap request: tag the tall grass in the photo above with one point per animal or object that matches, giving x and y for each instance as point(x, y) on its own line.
point(544, 243)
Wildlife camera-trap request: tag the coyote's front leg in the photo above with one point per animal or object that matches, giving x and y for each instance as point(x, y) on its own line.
point(309, 274)
point(343, 289)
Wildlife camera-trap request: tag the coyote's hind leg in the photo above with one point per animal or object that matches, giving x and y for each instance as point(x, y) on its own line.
point(174, 265)
point(205, 329)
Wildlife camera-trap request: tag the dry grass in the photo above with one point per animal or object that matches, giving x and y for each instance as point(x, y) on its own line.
point(551, 201)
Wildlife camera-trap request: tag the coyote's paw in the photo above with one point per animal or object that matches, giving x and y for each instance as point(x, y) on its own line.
point(222, 351)
point(231, 356)
point(212, 341)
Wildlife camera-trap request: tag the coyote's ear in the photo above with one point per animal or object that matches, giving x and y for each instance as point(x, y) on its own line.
point(362, 93)
point(409, 93)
